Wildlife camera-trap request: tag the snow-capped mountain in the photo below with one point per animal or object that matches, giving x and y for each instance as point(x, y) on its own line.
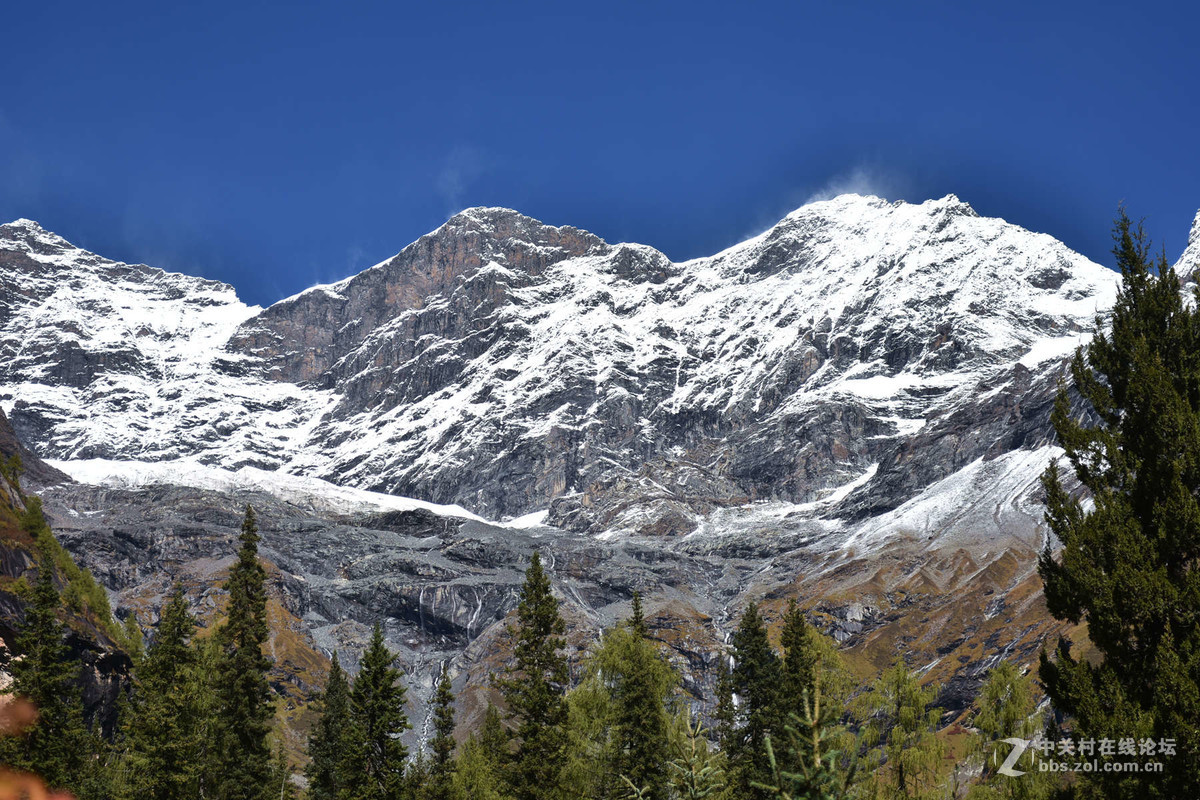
point(508, 366)
point(850, 408)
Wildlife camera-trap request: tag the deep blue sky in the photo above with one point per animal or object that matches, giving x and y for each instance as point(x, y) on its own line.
point(274, 146)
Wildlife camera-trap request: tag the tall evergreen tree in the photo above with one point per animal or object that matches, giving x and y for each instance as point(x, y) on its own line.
point(55, 745)
point(800, 664)
point(374, 766)
point(244, 707)
point(441, 769)
point(725, 712)
point(642, 684)
point(533, 690)
point(163, 751)
point(1130, 565)
point(330, 737)
point(756, 682)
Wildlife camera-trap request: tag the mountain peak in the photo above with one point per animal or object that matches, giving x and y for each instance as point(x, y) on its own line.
point(1189, 262)
point(31, 234)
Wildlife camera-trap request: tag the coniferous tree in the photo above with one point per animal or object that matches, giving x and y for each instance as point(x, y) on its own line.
point(329, 738)
point(725, 713)
point(493, 737)
point(163, 751)
point(642, 684)
point(281, 786)
point(1006, 710)
point(1130, 565)
point(55, 745)
point(694, 772)
point(441, 768)
point(756, 682)
point(800, 663)
point(244, 709)
point(902, 722)
point(374, 764)
point(533, 690)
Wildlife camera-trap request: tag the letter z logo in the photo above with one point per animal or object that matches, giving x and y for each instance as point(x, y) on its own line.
point(1019, 747)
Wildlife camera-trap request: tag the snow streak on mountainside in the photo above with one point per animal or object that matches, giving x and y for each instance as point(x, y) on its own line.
point(505, 365)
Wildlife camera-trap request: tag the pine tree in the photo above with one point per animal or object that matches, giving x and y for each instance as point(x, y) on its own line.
point(1130, 566)
point(641, 687)
point(533, 690)
point(163, 721)
point(244, 707)
point(46, 675)
point(441, 770)
point(756, 682)
point(725, 713)
point(800, 663)
point(374, 766)
point(329, 738)
point(903, 723)
point(280, 786)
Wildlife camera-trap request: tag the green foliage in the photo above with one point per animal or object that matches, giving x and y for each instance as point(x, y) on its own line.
point(327, 744)
point(132, 634)
point(533, 690)
point(620, 717)
point(902, 722)
point(374, 765)
point(756, 680)
point(811, 763)
point(166, 718)
point(694, 773)
point(478, 773)
point(11, 470)
point(1006, 710)
point(281, 785)
point(55, 746)
point(1130, 566)
point(441, 768)
point(244, 707)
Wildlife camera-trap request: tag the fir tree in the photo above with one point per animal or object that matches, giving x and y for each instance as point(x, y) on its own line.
point(374, 764)
point(441, 770)
point(756, 681)
point(244, 706)
point(477, 774)
point(1130, 565)
point(494, 738)
point(694, 772)
point(164, 719)
point(725, 713)
point(281, 786)
point(55, 745)
point(329, 738)
point(800, 663)
point(642, 683)
point(533, 690)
